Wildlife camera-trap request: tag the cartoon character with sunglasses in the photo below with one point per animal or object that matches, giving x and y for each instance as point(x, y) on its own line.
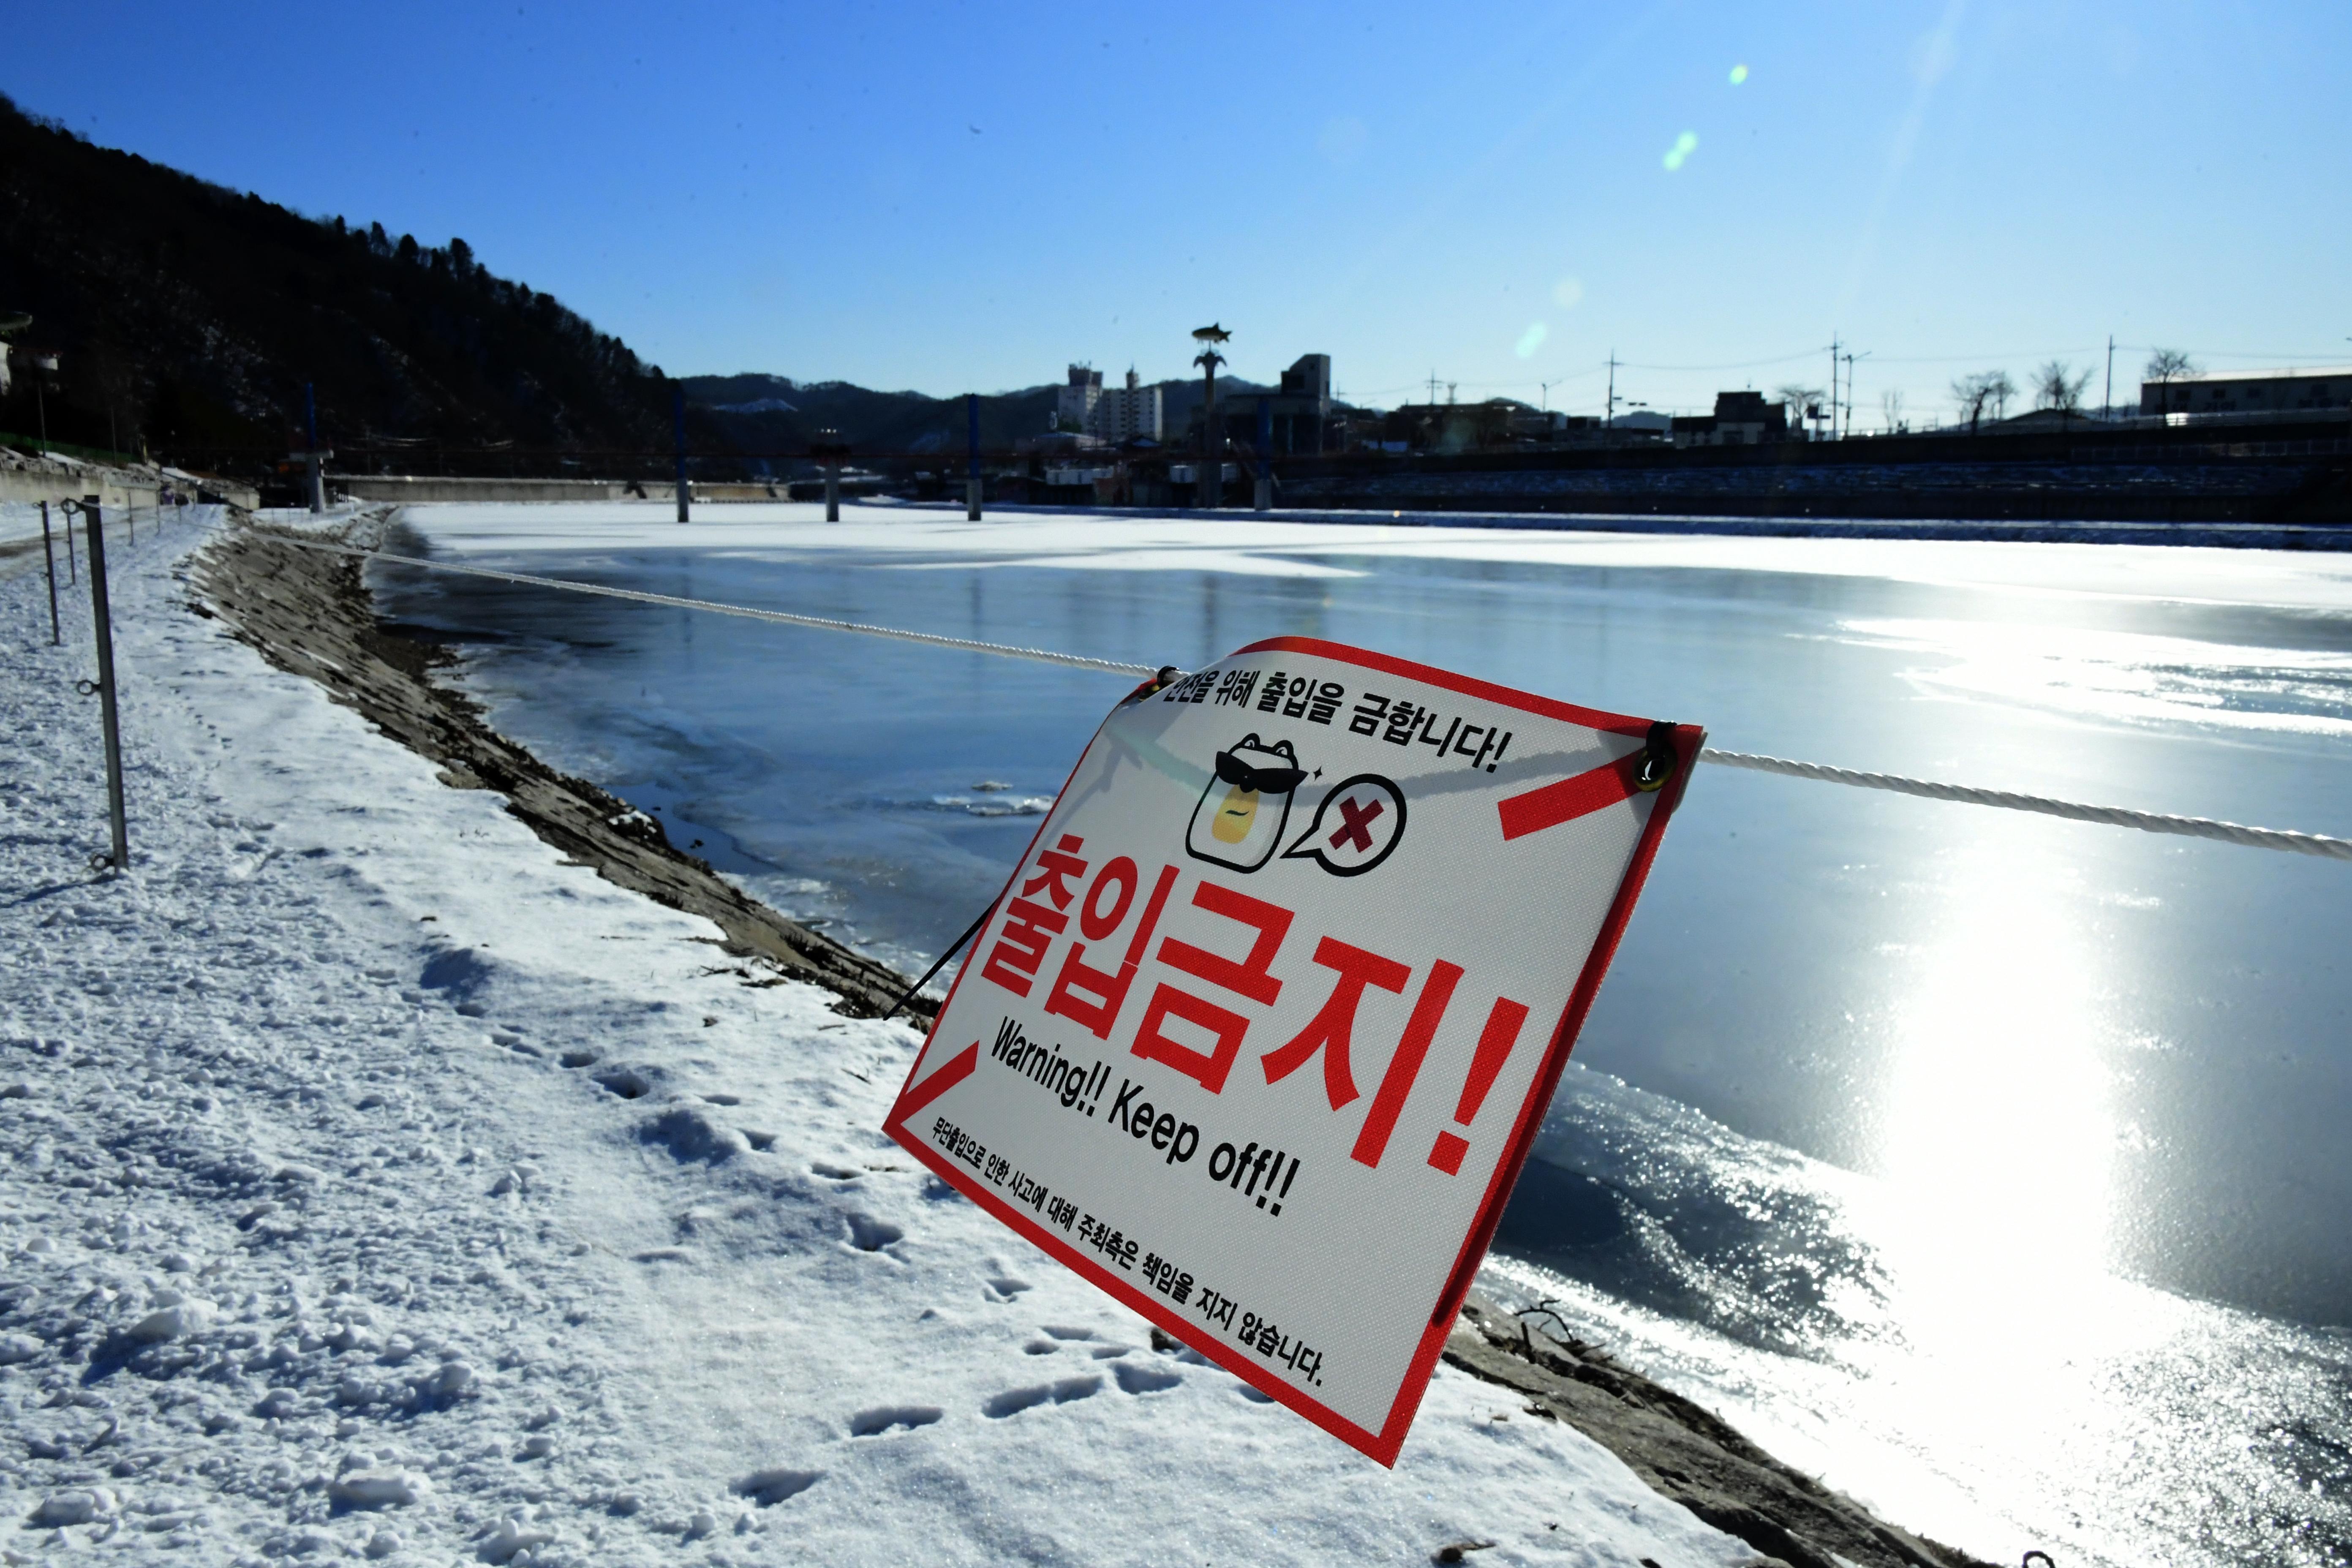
point(1246, 805)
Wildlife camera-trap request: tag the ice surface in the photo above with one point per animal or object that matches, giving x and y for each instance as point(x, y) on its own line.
point(474, 1304)
point(2069, 1057)
point(1244, 544)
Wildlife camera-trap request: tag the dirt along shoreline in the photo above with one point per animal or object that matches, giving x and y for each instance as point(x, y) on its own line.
point(310, 612)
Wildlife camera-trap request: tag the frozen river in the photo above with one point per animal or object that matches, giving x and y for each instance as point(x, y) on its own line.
point(1994, 1166)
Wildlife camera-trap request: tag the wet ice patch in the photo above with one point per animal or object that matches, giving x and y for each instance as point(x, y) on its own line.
point(995, 805)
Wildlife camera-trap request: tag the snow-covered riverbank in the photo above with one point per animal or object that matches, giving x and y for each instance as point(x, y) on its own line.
point(377, 1181)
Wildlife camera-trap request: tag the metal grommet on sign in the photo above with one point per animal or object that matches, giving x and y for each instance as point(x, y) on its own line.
point(1658, 758)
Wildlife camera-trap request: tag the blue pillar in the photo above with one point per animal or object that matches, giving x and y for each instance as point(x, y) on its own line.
point(1265, 497)
point(677, 432)
point(972, 441)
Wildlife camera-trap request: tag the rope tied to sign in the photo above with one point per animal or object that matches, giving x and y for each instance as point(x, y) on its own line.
point(2073, 811)
point(1657, 764)
point(780, 618)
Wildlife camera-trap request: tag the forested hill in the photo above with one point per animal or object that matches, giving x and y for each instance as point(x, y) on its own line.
point(186, 318)
point(190, 316)
point(773, 414)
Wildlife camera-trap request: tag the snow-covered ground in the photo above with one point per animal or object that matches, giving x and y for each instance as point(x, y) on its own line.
point(377, 1183)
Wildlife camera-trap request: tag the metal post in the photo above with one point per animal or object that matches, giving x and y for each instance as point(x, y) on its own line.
point(92, 511)
point(1264, 498)
point(972, 438)
point(48, 558)
point(677, 431)
point(833, 492)
point(73, 571)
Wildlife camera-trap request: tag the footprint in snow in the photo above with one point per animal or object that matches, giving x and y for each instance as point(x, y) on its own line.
point(628, 1084)
point(770, 1487)
point(870, 1235)
point(1141, 1377)
point(1014, 1401)
point(1004, 1287)
point(887, 1418)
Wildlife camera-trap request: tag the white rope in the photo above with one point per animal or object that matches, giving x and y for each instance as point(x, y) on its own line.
point(2112, 816)
point(782, 617)
point(1927, 789)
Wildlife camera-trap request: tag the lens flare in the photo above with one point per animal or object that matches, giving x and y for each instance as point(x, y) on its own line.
point(1531, 339)
point(1739, 75)
point(1567, 291)
point(1684, 145)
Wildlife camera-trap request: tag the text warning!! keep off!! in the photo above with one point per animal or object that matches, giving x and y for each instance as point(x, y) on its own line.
point(1301, 872)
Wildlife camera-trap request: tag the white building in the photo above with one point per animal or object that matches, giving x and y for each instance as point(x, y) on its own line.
point(2248, 390)
point(1128, 413)
point(1117, 414)
point(1074, 408)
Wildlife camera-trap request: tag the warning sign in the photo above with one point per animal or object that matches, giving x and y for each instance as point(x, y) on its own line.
point(1258, 1035)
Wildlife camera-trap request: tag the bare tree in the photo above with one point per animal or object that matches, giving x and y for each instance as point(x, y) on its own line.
point(1800, 399)
point(1988, 388)
point(2166, 366)
point(1890, 403)
point(2056, 385)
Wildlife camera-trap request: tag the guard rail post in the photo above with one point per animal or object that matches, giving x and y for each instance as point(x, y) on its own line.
point(49, 559)
point(121, 858)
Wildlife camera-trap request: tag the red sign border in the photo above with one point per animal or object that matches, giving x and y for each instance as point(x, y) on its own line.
point(1384, 1445)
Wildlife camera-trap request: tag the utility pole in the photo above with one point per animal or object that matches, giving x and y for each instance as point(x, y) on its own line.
point(2107, 399)
point(1850, 358)
point(1833, 359)
point(1608, 419)
point(1433, 389)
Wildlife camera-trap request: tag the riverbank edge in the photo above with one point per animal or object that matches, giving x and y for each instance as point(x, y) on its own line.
point(1681, 1450)
point(311, 613)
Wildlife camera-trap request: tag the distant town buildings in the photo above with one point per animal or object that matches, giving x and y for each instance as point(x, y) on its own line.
point(1118, 414)
point(1129, 413)
point(1074, 406)
point(2248, 390)
point(1740, 419)
point(1300, 411)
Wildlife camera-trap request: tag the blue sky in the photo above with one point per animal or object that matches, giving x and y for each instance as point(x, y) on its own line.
point(958, 196)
